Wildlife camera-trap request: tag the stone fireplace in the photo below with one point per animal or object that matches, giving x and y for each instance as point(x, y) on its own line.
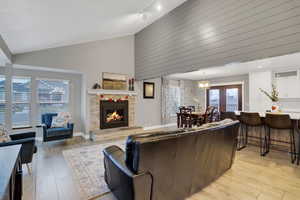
point(110, 111)
point(113, 114)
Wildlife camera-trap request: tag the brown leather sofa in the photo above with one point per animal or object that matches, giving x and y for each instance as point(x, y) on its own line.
point(170, 165)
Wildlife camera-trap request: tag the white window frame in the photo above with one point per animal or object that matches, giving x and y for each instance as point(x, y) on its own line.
point(177, 87)
point(49, 79)
point(5, 96)
point(29, 102)
point(52, 79)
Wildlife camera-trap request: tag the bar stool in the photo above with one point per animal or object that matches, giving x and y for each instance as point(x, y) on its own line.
point(298, 130)
point(247, 120)
point(298, 157)
point(228, 115)
point(281, 122)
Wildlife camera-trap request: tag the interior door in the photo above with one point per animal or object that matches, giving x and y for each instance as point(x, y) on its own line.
point(227, 98)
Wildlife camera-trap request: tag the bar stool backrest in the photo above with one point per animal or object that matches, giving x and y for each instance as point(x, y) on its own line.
point(278, 121)
point(228, 115)
point(251, 119)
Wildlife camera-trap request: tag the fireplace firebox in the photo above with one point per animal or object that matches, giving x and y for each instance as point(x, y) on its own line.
point(113, 114)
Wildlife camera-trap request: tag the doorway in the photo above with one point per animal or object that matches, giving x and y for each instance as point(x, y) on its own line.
point(226, 98)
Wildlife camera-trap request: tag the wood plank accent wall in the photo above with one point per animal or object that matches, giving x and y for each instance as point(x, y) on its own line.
point(205, 33)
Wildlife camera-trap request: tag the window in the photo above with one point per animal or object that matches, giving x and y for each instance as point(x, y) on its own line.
point(173, 100)
point(53, 96)
point(214, 98)
point(2, 99)
point(232, 99)
point(21, 95)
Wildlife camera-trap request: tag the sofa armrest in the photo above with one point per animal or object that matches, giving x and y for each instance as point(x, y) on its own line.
point(21, 141)
point(117, 156)
point(27, 150)
point(19, 136)
point(121, 180)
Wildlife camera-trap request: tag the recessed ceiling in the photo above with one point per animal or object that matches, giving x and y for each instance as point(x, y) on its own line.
point(30, 25)
point(280, 63)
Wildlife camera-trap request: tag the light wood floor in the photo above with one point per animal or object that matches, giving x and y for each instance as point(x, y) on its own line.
point(251, 177)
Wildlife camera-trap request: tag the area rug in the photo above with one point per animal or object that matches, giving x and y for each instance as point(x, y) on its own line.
point(87, 168)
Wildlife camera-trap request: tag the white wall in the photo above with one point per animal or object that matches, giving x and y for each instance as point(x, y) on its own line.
point(257, 100)
point(5, 54)
point(191, 93)
point(148, 111)
point(93, 58)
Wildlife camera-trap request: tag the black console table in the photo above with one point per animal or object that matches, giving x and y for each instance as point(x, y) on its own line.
point(10, 173)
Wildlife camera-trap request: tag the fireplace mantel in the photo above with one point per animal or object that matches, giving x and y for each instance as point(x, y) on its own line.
point(111, 92)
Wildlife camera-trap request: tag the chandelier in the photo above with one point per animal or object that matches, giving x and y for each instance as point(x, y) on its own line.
point(203, 84)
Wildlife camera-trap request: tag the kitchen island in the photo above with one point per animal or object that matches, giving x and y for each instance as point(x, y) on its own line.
point(279, 139)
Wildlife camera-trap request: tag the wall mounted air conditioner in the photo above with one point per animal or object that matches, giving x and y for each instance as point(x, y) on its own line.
point(288, 83)
point(293, 74)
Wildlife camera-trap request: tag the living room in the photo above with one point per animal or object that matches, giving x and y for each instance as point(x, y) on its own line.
point(104, 100)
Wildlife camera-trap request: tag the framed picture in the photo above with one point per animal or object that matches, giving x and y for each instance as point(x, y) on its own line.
point(113, 81)
point(149, 90)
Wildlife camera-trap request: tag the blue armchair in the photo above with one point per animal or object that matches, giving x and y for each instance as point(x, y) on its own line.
point(51, 134)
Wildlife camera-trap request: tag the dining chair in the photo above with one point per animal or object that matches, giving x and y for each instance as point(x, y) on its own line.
point(281, 122)
point(185, 117)
point(209, 114)
point(193, 108)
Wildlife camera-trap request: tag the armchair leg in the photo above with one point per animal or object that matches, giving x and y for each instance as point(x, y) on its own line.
point(29, 169)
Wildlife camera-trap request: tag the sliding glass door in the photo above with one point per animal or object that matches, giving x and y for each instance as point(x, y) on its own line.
point(227, 98)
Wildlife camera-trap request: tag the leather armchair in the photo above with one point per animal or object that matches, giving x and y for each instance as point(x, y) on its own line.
point(122, 181)
point(170, 165)
point(51, 134)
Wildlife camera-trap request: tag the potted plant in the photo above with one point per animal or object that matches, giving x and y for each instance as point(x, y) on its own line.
point(273, 96)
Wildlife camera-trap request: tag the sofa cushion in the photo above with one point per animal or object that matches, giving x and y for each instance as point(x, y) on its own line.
point(61, 120)
point(132, 143)
point(4, 137)
point(58, 122)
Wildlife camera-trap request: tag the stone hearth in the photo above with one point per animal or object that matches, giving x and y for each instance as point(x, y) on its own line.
point(94, 109)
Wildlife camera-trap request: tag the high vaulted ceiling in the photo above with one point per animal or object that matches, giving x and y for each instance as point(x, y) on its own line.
point(30, 25)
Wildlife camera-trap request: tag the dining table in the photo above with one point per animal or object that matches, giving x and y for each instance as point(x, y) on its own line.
point(193, 115)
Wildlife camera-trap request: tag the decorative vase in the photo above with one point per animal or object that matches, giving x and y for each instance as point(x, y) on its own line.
point(275, 107)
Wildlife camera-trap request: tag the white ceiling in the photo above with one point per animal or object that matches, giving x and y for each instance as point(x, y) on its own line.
point(280, 63)
point(29, 25)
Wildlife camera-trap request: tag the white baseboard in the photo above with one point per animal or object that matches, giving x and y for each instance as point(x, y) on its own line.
point(159, 126)
point(85, 136)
